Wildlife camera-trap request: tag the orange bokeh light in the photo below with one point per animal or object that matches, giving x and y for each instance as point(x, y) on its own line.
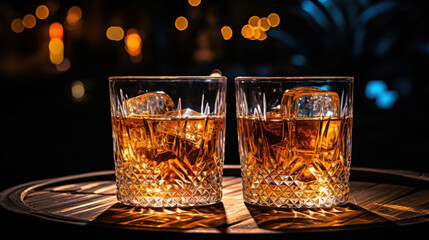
point(56, 30)
point(194, 3)
point(273, 19)
point(29, 21)
point(74, 15)
point(263, 24)
point(42, 12)
point(226, 32)
point(253, 21)
point(133, 42)
point(181, 23)
point(16, 25)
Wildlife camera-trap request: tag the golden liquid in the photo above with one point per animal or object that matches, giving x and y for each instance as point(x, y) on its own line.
point(168, 162)
point(296, 162)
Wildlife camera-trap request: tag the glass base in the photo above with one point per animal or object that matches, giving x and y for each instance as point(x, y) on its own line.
point(201, 200)
point(283, 197)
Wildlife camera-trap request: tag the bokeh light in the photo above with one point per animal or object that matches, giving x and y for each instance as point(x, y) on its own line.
point(247, 31)
point(181, 23)
point(263, 24)
point(273, 19)
point(115, 33)
point(74, 14)
point(133, 42)
point(56, 58)
point(64, 65)
point(56, 46)
point(263, 36)
point(42, 12)
point(256, 27)
point(253, 21)
point(78, 90)
point(56, 30)
point(16, 25)
point(194, 3)
point(29, 21)
point(226, 32)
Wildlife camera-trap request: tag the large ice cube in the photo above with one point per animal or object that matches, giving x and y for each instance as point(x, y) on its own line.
point(152, 103)
point(309, 102)
point(184, 132)
point(185, 124)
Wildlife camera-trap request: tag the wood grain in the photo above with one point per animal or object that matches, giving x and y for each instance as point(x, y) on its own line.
point(89, 199)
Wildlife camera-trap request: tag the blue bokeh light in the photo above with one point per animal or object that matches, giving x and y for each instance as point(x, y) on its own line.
point(384, 98)
point(298, 60)
point(374, 88)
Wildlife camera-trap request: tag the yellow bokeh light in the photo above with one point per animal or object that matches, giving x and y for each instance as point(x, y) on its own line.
point(74, 15)
point(56, 46)
point(263, 24)
point(42, 12)
point(273, 19)
point(253, 21)
point(133, 42)
point(16, 25)
point(247, 31)
point(29, 21)
point(226, 32)
point(56, 58)
point(194, 3)
point(181, 23)
point(115, 33)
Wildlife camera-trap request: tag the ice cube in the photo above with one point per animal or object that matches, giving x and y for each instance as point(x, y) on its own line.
point(183, 132)
point(148, 104)
point(185, 124)
point(184, 113)
point(309, 102)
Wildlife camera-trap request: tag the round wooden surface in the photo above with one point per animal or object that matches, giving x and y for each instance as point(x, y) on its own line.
point(379, 198)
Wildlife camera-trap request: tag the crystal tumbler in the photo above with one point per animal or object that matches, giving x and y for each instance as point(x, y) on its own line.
point(168, 139)
point(295, 139)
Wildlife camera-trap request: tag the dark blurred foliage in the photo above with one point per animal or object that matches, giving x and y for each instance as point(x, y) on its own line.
point(48, 133)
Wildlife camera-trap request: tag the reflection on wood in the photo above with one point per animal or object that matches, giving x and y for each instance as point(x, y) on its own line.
point(91, 199)
point(286, 219)
point(212, 216)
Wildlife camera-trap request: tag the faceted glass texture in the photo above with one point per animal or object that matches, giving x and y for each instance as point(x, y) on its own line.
point(299, 155)
point(166, 156)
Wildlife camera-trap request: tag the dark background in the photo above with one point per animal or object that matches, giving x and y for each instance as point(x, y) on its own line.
point(46, 132)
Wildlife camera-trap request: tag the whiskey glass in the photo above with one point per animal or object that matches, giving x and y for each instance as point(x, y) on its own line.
point(168, 139)
point(295, 140)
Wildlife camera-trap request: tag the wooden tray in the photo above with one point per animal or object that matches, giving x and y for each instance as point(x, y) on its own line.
point(379, 198)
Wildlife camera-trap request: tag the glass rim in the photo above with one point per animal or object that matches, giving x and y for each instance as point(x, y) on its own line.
point(299, 78)
point(169, 78)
